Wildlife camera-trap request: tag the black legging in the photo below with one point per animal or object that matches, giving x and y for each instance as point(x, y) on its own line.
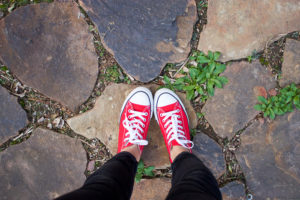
point(115, 179)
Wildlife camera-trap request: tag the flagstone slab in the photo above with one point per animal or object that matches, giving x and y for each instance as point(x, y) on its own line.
point(231, 108)
point(210, 153)
point(144, 35)
point(233, 191)
point(45, 166)
point(270, 157)
point(291, 63)
point(12, 116)
point(152, 189)
point(48, 47)
point(102, 122)
point(236, 27)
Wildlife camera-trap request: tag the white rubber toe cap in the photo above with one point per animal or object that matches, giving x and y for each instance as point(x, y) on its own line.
point(165, 99)
point(140, 98)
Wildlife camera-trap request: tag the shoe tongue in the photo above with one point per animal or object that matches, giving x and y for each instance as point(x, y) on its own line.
point(170, 107)
point(137, 107)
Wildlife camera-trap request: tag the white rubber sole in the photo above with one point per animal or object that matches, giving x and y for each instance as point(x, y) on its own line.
point(168, 91)
point(133, 92)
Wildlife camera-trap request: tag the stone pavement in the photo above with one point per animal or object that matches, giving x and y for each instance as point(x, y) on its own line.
point(49, 49)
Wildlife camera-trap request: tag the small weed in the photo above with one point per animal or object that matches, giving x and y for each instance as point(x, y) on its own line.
point(202, 4)
point(200, 79)
point(200, 115)
point(8, 6)
point(115, 74)
point(142, 170)
point(254, 55)
point(280, 104)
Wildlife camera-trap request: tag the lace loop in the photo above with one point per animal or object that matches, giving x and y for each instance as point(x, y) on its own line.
point(135, 127)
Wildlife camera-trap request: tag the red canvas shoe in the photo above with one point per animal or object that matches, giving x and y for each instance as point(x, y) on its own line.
point(135, 118)
point(173, 120)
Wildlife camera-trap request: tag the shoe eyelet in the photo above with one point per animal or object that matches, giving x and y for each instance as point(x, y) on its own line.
point(129, 110)
point(163, 120)
point(160, 114)
point(178, 117)
point(143, 126)
point(146, 114)
point(129, 117)
point(165, 126)
point(178, 110)
point(144, 120)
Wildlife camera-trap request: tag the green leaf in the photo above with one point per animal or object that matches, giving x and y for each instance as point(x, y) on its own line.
point(190, 94)
point(218, 83)
point(217, 55)
point(262, 99)
point(210, 55)
point(189, 88)
point(141, 164)
point(193, 73)
point(223, 79)
point(272, 114)
point(202, 59)
point(219, 69)
point(149, 171)
point(258, 107)
point(138, 177)
point(167, 80)
point(211, 92)
point(200, 90)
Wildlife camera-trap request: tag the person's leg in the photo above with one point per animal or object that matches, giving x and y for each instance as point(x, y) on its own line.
point(115, 179)
point(191, 179)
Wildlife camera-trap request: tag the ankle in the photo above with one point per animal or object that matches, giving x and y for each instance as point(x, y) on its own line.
point(176, 150)
point(134, 150)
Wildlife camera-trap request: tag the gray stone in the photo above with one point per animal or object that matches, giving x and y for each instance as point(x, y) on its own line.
point(233, 191)
point(12, 116)
point(48, 47)
point(270, 157)
point(231, 108)
point(102, 122)
point(151, 189)
point(45, 166)
point(291, 63)
point(210, 153)
point(236, 27)
point(144, 35)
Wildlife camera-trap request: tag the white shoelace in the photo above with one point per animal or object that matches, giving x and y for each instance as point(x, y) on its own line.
point(134, 127)
point(173, 131)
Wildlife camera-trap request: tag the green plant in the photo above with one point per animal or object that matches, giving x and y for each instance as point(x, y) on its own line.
point(9, 5)
point(280, 104)
point(202, 78)
point(254, 55)
point(142, 170)
point(115, 74)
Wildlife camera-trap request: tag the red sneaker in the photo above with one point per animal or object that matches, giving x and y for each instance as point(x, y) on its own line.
point(135, 118)
point(173, 120)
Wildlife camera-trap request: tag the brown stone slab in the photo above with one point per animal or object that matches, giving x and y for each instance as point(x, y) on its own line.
point(231, 108)
point(102, 122)
point(144, 35)
point(45, 166)
point(151, 189)
point(233, 191)
point(210, 153)
point(291, 63)
point(236, 27)
point(270, 157)
point(48, 47)
point(12, 116)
